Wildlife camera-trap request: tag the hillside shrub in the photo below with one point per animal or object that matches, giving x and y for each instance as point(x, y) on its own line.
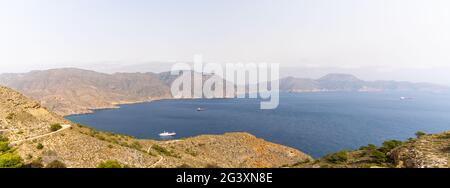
point(10, 160)
point(420, 134)
point(339, 157)
point(161, 149)
point(109, 164)
point(56, 164)
point(10, 116)
point(4, 147)
point(379, 156)
point(39, 146)
point(55, 127)
point(369, 147)
point(3, 139)
point(389, 145)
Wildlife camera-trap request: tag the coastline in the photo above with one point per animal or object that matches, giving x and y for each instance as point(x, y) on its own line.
point(116, 105)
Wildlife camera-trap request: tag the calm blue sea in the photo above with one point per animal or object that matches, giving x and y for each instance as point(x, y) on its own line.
point(315, 123)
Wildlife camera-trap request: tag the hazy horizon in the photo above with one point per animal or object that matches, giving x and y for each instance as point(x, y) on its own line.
point(404, 40)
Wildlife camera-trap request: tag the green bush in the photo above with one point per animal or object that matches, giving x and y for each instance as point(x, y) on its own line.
point(109, 164)
point(55, 127)
point(161, 149)
point(339, 157)
point(136, 145)
point(10, 160)
point(124, 144)
point(420, 134)
point(369, 147)
point(40, 146)
point(379, 156)
point(3, 139)
point(10, 116)
point(389, 145)
point(100, 137)
point(8, 157)
point(4, 147)
point(56, 164)
point(445, 136)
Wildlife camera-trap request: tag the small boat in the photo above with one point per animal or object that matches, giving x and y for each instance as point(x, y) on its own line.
point(200, 109)
point(406, 98)
point(167, 134)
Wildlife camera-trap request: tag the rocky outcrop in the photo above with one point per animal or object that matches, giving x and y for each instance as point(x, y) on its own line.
point(232, 150)
point(428, 151)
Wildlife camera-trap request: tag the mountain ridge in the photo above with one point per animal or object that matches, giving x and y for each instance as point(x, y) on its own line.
point(347, 82)
point(69, 91)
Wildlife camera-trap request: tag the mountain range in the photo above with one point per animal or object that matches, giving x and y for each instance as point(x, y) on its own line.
point(69, 91)
point(72, 91)
point(346, 82)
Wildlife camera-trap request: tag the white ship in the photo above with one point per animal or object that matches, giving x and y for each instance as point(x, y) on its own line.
point(167, 134)
point(406, 98)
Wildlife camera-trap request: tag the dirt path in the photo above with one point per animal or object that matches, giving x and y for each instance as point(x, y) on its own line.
point(161, 158)
point(64, 127)
point(6, 130)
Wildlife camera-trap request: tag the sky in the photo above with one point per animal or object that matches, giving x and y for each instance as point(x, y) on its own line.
point(373, 39)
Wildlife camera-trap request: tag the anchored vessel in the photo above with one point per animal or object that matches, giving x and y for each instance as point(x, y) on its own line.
point(167, 134)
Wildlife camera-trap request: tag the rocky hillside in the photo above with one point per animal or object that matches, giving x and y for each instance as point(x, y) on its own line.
point(74, 91)
point(41, 137)
point(425, 151)
point(428, 151)
point(345, 82)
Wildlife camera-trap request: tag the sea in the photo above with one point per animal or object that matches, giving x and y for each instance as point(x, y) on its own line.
point(314, 123)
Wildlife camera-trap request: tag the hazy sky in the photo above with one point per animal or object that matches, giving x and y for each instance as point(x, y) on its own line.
point(374, 39)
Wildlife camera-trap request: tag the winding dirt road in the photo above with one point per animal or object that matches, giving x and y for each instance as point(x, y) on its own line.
point(64, 127)
point(161, 158)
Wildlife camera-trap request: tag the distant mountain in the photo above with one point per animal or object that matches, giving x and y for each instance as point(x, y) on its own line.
point(71, 91)
point(299, 84)
point(346, 82)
